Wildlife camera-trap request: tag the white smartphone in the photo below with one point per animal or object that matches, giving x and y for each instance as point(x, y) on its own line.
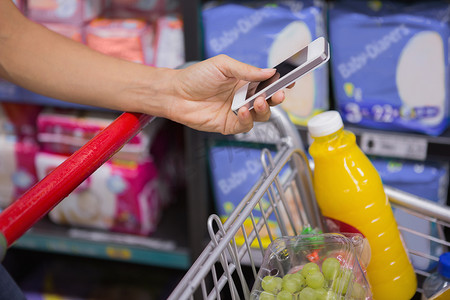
point(288, 71)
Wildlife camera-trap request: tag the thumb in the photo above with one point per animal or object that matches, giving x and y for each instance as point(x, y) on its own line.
point(235, 69)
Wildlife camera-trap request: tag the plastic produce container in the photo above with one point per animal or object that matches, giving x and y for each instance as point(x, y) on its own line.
point(296, 255)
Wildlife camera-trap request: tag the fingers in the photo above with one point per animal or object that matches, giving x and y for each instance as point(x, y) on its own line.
point(261, 110)
point(245, 119)
point(276, 98)
point(236, 69)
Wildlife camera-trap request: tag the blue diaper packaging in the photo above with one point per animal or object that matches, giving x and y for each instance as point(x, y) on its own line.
point(264, 33)
point(427, 180)
point(234, 169)
point(390, 64)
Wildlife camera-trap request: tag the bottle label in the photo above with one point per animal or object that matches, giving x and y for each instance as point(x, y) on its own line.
point(338, 226)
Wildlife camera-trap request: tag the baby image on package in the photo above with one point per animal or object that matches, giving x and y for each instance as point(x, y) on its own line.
point(263, 34)
point(390, 64)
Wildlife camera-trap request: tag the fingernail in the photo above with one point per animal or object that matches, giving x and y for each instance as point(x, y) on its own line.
point(268, 70)
point(263, 105)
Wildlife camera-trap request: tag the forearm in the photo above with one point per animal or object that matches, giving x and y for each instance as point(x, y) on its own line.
point(52, 65)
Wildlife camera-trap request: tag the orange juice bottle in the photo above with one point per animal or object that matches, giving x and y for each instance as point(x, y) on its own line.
point(351, 197)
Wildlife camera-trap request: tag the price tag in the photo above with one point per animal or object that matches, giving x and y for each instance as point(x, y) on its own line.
point(394, 146)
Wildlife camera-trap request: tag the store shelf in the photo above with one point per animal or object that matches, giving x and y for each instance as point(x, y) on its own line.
point(14, 94)
point(167, 247)
point(405, 145)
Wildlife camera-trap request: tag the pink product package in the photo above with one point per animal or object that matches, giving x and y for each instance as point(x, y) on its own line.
point(169, 42)
point(19, 119)
point(17, 167)
point(130, 39)
point(66, 11)
point(119, 198)
point(72, 31)
point(148, 9)
point(64, 131)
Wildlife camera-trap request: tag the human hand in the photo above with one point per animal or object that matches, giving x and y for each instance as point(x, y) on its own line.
point(205, 93)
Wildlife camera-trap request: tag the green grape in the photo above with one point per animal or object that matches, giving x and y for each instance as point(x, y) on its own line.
point(287, 276)
point(301, 278)
point(267, 296)
point(330, 268)
point(309, 268)
point(315, 280)
point(284, 295)
point(292, 283)
point(321, 293)
point(340, 283)
point(271, 284)
point(331, 296)
point(308, 294)
point(358, 291)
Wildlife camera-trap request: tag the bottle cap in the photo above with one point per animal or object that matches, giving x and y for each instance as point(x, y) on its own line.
point(325, 123)
point(444, 265)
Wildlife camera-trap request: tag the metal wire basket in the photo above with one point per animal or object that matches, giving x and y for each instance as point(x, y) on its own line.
point(281, 203)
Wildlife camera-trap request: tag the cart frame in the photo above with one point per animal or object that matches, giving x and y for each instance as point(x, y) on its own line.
point(223, 261)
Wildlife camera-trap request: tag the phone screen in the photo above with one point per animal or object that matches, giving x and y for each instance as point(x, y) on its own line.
point(282, 68)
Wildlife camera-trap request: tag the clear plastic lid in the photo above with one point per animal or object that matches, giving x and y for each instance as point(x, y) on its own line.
point(325, 123)
point(333, 258)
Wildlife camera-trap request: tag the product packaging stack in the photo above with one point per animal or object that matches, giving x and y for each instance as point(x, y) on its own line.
point(126, 194)
point(142, 31)
point(157, 36)
point(390, 64)
point(18, 149)
point(129, 39)
point(263, 34)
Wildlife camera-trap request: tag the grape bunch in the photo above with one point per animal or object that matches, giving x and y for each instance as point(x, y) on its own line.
point(312, 283)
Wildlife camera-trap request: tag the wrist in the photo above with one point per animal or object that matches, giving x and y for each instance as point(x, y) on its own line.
point(154, 92)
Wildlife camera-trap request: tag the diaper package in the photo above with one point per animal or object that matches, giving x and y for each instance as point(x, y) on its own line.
point(234, 171)
point(18, 148)
point(263, 34)
point(169, 42)
point(66, 11)
point(390, 64)
point(19, 120)
point(120, 198)
point(129, 39)
point(17, 168)
point(64, 131)
point(428, 180)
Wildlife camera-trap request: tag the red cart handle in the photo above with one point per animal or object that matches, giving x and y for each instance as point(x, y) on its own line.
point(23, 213)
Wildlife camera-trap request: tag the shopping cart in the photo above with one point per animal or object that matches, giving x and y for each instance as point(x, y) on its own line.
point(228, 266)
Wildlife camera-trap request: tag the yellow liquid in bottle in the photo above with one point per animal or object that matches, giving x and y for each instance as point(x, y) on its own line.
point(349, 189)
